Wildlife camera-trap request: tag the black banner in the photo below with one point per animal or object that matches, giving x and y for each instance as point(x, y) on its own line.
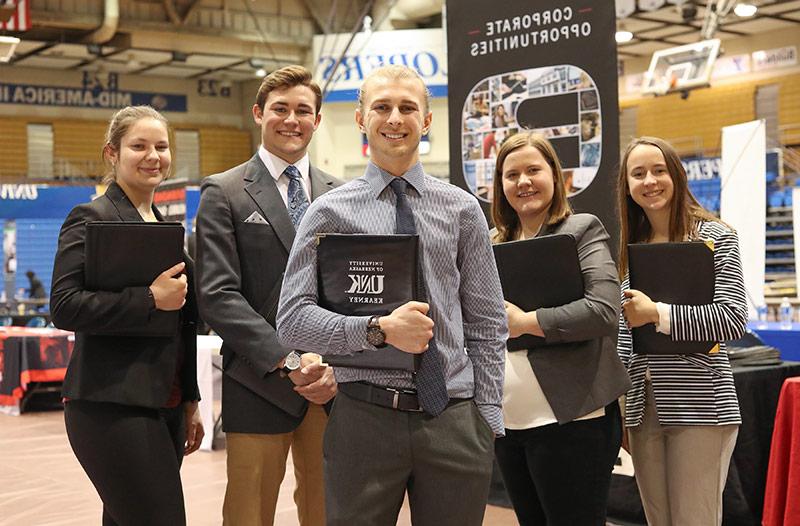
point(544, 66)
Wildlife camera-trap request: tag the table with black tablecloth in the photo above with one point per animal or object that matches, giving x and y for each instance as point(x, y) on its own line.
point(29, 357)
point(758, 389)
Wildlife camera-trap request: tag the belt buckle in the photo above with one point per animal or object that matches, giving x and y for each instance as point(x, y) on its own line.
point(396, 400)
point(395, 396)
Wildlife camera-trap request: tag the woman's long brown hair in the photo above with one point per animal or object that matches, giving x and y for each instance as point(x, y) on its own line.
point(685, 211)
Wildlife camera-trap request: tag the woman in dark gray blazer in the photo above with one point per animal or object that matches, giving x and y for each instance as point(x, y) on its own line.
point(130, 401)
point(563, 428)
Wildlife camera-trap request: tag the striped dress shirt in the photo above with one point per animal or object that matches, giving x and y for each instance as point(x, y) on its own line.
point(464, 293)
point(694, 389)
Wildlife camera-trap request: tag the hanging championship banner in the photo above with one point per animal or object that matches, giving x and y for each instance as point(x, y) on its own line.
point(549, 67)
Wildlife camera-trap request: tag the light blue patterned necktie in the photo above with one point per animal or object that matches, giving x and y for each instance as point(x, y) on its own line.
point(296, 202)
point(431, 386)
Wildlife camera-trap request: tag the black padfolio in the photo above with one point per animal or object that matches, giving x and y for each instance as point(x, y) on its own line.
point(366, 275)
point(118, 255)
point(537, 273)
point(675, 273)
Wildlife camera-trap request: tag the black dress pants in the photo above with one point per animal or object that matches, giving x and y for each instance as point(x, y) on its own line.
point(560, 474)
point(133, 456)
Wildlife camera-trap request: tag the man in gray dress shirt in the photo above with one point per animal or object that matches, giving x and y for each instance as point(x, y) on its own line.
point(382, 438)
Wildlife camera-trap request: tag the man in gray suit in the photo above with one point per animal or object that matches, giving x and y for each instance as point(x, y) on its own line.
point(272, 397)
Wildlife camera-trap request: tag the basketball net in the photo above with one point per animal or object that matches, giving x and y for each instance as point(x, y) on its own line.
point(666, 84)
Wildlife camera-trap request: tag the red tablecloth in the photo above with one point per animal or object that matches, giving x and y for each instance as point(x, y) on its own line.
point(782, 495)
point(31, 355)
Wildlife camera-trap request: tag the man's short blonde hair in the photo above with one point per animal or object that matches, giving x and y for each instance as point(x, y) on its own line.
point(394, 72)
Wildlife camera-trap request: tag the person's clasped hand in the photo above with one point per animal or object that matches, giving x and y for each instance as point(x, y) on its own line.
point(314, 380)
point(170, 287)
point(638, 309)
point(408, 327)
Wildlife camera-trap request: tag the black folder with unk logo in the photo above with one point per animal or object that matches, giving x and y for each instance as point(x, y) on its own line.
point(366, 275)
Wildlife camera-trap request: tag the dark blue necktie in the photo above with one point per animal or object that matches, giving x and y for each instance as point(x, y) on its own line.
point(431, 386)
point(296, 202)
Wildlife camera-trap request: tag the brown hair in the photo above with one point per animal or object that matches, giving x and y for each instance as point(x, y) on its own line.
point(685, 211)
point(394, 72)
point(504, 216)
point(119, 125)
point(284, 78)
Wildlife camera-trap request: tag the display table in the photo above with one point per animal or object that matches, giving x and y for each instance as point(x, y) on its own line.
point(758, 389)
point(785, 340)
point(28, 357)
point(207, 346)
point(782, 495)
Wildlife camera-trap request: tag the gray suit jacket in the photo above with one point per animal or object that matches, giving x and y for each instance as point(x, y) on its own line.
point(240, 268)
point(581, 371)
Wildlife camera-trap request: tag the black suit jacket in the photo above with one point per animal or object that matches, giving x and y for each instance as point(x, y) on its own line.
point(136, 371)
point(240, 268)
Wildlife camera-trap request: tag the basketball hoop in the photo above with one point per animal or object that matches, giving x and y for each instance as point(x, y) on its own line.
point(680, 68)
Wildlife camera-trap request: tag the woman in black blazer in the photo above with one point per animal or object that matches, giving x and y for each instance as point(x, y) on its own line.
point(130, 402)
point(562, 419)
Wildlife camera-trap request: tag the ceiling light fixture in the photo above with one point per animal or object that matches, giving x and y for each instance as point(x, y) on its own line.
point(7, 47)
point(623, 36)
point(261, 73)
point(745, 10)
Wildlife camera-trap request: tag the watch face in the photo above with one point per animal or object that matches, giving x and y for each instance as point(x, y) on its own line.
point(292, 361)
point(375, 336)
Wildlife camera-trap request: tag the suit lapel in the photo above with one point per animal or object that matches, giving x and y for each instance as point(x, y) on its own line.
point(260, 185)
point(319, 183)
point(125, 209)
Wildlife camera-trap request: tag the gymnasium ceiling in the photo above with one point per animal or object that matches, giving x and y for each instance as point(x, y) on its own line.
point(229, 39)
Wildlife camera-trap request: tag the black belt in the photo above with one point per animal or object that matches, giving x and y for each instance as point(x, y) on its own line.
point(400, 399)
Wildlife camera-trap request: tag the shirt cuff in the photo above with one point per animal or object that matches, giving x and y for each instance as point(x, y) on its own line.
point(494, 417)
point(356, 334)
point(664, 323)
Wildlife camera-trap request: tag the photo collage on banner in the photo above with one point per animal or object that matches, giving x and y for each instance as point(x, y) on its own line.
point(517, 67)
point(560, 102)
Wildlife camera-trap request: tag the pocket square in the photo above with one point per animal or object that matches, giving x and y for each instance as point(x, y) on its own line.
point(255, 217)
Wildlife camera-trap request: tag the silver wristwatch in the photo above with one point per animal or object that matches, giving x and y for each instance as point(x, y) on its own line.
point(291, 363)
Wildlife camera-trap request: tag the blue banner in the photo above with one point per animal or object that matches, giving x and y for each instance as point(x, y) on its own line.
point(29, 94)
point(35, 201)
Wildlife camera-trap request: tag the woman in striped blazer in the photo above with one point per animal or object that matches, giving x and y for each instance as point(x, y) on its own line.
point(682, 413)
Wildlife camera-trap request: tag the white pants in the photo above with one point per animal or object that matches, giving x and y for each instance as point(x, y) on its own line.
point(680, 470)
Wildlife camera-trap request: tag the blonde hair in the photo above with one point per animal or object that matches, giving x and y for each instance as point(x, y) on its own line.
point(504, 216)
point(394, 72)
point(119, 125)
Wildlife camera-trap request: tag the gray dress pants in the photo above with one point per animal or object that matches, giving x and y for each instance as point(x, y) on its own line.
point(373, 455)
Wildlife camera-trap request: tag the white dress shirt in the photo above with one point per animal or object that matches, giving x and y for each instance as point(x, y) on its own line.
point(275, 165)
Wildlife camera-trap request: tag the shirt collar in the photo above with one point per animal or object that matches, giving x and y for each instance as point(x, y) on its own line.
point(275, 165)
point(378, 178)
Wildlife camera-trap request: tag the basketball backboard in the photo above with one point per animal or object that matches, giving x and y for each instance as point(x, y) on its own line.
point(681, 68)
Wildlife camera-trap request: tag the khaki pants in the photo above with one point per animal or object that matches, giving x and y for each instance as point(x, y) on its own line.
point(681, 470)
point(256, 466)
